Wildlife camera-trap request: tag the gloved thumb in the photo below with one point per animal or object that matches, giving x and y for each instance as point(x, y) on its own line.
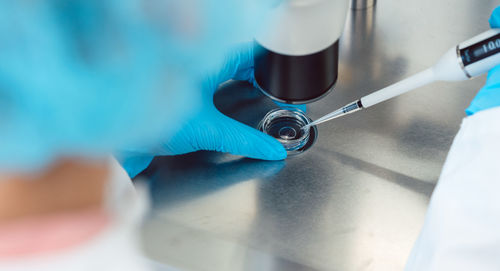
point(231, 136)
point(134, 163)
point(495, 18)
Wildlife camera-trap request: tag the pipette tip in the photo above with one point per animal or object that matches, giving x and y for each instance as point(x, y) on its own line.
point(347, 109)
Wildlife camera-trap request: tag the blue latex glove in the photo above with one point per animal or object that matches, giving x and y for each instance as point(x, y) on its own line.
point(83, 78)
point(489, 95)
point(212, 130)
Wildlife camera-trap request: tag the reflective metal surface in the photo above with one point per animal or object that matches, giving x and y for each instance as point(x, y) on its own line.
point(354, 201)
point(362, 4)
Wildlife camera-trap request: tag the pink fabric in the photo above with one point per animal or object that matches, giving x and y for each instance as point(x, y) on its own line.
point(49, 233)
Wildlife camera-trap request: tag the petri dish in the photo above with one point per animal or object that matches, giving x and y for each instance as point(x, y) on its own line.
point(285, 125)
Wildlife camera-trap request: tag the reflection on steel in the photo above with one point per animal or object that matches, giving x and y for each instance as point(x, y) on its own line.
point(362, 4)
point(357, 198)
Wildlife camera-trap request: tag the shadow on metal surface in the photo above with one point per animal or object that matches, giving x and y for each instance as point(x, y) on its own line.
point(182, 178)
point(408, 182)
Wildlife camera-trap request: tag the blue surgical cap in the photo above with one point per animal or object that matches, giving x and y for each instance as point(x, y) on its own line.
point(88, 77)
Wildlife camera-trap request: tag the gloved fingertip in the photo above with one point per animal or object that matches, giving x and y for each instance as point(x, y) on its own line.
point(239, 139)
point(470, 111)
point(301, 107)
point(278, 153)
point(282, 155)
point(493, 75)
point(136, 164)
point(495, 18)
point(266, 147)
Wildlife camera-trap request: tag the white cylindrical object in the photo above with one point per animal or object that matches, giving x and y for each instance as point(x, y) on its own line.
point(448, 67)
point(470, 58)
point(362, 4)
point(490, 41)
point(413, 82)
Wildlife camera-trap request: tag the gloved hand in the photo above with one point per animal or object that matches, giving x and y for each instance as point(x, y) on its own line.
point(212, 130)
point(489, 95)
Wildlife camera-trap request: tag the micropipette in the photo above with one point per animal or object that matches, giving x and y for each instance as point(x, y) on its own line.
point(468, 59)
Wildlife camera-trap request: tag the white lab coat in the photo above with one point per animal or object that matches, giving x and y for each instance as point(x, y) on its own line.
point(462, 226)
point(116, 248)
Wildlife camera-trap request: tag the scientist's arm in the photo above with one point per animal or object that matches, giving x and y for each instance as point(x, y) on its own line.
point(462, 226)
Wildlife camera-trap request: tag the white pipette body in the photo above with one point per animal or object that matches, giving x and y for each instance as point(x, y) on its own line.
point(468, 59)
